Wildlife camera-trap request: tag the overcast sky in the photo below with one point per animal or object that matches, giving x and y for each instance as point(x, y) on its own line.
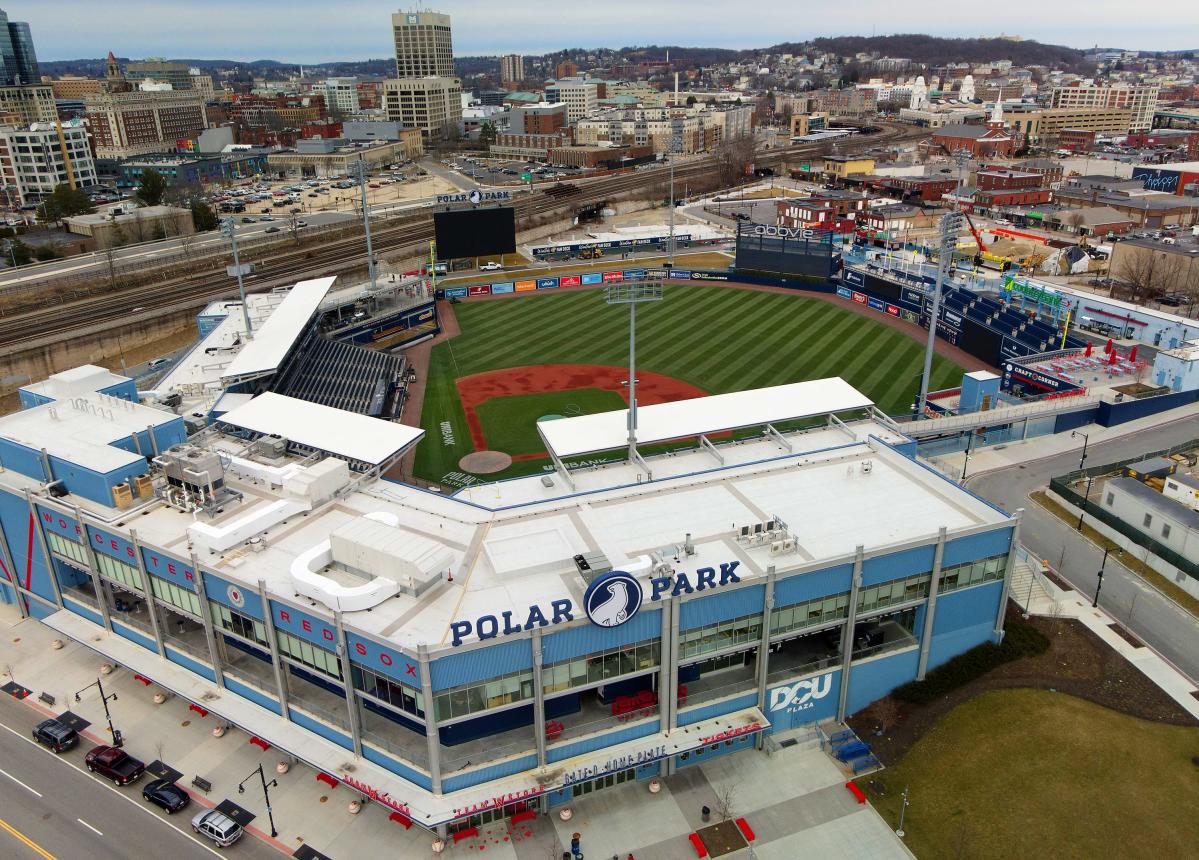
point(321, 30)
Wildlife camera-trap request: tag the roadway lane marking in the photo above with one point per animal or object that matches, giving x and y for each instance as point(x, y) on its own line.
point(23, 785)
point(89, 827)
point(25, 840)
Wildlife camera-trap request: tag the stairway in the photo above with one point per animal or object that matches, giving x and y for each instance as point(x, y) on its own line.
point(1029, 585)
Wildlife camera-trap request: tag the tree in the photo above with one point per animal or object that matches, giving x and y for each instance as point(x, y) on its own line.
point(726, 800)
point(64, 202)
point(151, 188)
point(690, 101)
point(1148, 272)
point(732, 156)
point(203, 217)
point(487, 135)
point(19, 253)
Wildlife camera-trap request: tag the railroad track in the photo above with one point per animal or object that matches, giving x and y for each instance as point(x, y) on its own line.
point(287, 266)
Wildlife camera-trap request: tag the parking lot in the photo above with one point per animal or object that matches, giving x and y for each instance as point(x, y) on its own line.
point(498, 171)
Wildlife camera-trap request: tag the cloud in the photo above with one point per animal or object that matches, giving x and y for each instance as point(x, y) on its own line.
point(319, 30)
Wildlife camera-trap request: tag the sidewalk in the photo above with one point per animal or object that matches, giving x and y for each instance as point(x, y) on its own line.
point(1050, 600)
point(794, 798)
point(1004, 455)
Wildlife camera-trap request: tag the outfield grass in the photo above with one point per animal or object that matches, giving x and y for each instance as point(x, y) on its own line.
point(717, 338)
point(509, 423)
point(1032, 773)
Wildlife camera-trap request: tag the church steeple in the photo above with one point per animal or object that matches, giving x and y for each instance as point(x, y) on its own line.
point(996, 120)
point(112, 70)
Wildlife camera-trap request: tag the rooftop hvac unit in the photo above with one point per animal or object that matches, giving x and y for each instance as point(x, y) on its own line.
point(776, 547)
point(867, 467)
point(57, 489)
point(271, 446)
point(143, 485)
point(122, 496)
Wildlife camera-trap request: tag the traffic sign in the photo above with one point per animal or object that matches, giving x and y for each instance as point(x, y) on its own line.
point(526, 176)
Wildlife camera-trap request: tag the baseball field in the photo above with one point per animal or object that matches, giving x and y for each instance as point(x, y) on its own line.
point(524, 358)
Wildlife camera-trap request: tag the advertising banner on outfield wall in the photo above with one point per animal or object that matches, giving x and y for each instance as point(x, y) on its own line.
point(547, 283)
point(592, 278)
point(634, 274)
point(613, 277)
point(455, 293)
point(844, 292)
point(570, 280)
point(525, 286)
point(505, 287)
point(680, 275)
point(479, 290)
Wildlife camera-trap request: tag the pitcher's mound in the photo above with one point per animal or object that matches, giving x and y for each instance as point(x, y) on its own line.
point(485, 462)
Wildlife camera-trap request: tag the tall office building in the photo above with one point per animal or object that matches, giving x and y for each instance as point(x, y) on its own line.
point(16, 52)
point(512, 68)
point(178, 75)
point(1139, 99)
point(423, 45)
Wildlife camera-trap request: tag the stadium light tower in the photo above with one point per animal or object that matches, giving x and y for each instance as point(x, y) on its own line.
point(633, 293)
point(950, 226)
point(676, 146)
point(359, 171)
point(229, 231)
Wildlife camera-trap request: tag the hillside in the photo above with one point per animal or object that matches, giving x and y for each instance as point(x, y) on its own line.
point(933, 50)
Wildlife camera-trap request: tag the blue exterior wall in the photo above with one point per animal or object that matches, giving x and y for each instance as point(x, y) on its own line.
point(255, 696)
point(565, 751)
point(588, 638)
point(722, 606)
point(983, 545)
point(964, 619)
point(487, 774)
point(481, 663)
point(876, 678)
point(133, 635)
point(25, 545)
point(395, 766)
point(707, 712)
point(784, 714)
point(897, 565)
point(809, 586)
point(188, 663)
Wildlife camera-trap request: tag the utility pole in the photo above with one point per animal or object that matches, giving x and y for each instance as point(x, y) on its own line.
point(229, 229)
point(676, 146)
point(359, 171)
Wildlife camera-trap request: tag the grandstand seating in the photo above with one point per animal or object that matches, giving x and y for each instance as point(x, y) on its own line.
point(345, 376)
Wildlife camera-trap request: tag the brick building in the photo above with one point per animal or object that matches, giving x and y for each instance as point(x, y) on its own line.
point(1004, 179)
point(124, 124)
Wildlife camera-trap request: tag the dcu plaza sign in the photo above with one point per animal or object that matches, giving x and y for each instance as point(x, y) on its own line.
point(610, 600)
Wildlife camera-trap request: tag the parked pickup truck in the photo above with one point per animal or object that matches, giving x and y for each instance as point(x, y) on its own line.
point(114, 763)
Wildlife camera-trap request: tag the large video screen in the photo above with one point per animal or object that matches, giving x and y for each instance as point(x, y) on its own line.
point(475, 232)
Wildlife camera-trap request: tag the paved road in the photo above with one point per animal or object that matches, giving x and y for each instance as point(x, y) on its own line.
point(51, 803)
point(1172, 631)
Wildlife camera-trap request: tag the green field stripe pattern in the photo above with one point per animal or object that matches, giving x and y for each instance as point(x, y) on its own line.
point(717, 338)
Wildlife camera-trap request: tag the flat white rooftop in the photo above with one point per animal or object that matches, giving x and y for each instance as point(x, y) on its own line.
point(604, 431)
point(336, 431)
point(84, 379)
point(271, 343)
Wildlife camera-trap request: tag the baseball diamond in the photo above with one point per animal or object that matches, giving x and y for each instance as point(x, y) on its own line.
point(733, 339)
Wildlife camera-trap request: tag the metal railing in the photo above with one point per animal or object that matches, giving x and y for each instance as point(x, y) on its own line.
point(416, 755)
point(486, 754)
point(803, 669)
point(996, 417)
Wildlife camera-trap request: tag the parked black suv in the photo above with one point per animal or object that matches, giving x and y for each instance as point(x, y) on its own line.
point(55, 734)
point(164, 793)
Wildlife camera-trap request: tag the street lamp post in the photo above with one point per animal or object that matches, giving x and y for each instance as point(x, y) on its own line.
point(1086, 498)
point(966, 462)
point(950, 226)
point(229, 230)
point(903, 808)
point(117, 738)
point(1085, 439)
point(676, 146)
point(1102, 565)
point(359, 171)
point(266, 786)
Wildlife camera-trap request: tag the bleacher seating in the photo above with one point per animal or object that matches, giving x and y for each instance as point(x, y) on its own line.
point(345, 376)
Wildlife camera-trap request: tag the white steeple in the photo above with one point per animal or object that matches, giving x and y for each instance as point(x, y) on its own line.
point(997, 114)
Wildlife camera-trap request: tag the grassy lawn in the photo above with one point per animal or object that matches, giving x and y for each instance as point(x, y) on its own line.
point(509, 423)
point(717, 338)
point(1030, 773)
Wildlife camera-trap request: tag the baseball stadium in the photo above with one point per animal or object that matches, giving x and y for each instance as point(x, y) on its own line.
point(477, 551)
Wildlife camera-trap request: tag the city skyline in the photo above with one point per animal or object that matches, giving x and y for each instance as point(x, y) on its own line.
point(360, 29)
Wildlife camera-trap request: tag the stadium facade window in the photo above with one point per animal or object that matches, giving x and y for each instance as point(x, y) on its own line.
point(973, 573)
point(385, 690)
point(746, 630)
point(493, 693)
point(67, 548)
point(820, 610)
point(894, 592)
point(602, 666)
point(297, 649)
point(173, 595)
point(119, 572)
point(239, 625)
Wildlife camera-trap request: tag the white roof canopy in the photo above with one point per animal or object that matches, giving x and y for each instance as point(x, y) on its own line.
point(570, 437)
point(335, 431)
point(269, 347)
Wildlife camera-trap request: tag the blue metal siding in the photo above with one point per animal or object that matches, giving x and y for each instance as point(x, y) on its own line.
point(386, 661)
point(398, 767)
point(481, 664)
point(600, 741)
point(25, 545)
point(326, 732)
point(785, 713)
point(707, 712)
point(808, 586)
point(964, 619)
point(487, 774)
point(871, 681)
point(178, 572)
point(977, 546)
point(255, 696)
point(218, 591)
point(135, 636)
point(83, 611)
point(897, 565)
point(307, 627)
point(590, 638)
point(721, 606)
point(181, 659)
point(21, 459)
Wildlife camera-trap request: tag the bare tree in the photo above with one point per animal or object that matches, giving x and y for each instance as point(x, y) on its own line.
point(726, 800)
point(1075, 220)
point(887, 712)
point(1148, 272)
point(732, 156)
point(1055, 612)
point(1132, 606)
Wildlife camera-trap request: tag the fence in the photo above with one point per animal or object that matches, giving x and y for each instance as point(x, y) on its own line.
point(1061, 486)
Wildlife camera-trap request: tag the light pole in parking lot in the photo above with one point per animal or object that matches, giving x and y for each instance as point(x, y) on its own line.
point(359, 171)
point(117, 738)
point(266, 786)
point(229, 230)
